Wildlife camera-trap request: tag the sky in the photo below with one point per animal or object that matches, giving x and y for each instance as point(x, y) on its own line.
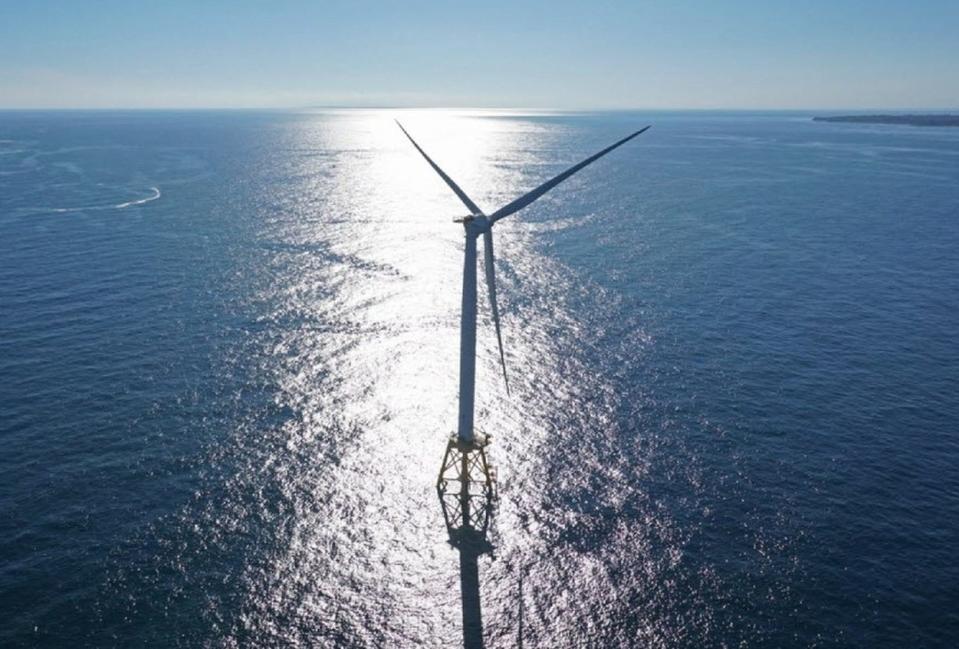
point(737, 54)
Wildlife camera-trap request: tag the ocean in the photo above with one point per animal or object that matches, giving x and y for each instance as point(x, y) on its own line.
point(228, 370)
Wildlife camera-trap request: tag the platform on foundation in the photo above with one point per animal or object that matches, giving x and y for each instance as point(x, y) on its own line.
point(467, 491)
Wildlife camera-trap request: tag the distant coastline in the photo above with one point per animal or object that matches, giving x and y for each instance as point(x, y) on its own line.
point(911, 120)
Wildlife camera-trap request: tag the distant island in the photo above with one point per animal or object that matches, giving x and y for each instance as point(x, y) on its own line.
point(911, 120)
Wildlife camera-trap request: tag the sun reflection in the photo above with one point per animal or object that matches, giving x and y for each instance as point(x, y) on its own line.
point(361, 287)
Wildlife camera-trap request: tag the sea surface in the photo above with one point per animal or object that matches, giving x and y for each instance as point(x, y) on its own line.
point(228, 371)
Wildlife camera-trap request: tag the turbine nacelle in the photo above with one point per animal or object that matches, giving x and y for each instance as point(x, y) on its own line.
point(475, 224)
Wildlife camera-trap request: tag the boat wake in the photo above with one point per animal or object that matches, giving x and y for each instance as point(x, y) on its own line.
point(92, 208)
point(148, 199)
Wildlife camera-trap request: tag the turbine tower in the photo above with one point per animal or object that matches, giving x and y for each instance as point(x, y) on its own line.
point(468, 510)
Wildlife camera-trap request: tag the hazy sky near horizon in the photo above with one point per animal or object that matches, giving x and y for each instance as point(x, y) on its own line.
point(562, 55)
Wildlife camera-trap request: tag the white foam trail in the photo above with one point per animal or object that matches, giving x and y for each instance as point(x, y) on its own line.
point(91, 208)
point(156, 195)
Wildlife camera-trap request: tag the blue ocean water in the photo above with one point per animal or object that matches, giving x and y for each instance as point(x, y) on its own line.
point(228, 356)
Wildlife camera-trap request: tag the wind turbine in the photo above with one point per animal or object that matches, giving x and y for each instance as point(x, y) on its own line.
point(467, 512)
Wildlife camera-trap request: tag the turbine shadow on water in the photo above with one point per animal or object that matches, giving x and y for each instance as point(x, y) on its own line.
point(469, 584)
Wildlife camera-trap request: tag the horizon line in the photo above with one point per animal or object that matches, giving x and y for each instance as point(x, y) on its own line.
point(476, 108)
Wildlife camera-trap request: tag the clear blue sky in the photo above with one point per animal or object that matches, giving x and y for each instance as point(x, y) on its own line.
point(572, 55)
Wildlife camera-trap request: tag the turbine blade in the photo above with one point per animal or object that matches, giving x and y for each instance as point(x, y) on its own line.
point(449, 181)
point(526, 199)
point(491, 285)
